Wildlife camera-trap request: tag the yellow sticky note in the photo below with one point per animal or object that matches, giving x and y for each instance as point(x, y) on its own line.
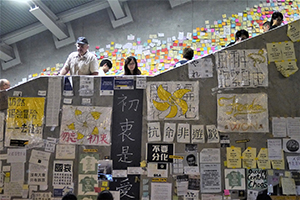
point(105, 184)
point(224, 15)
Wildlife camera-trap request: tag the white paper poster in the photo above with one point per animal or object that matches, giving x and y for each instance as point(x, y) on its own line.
point(293, 126)
point(153, 132)
point(64, 151)
point(210, 155)
point(161, 191)
point(210, 178)
point(183, 133)
point(201, 68)
point(293, 162)
point(16, 155)
point(53, 101)
point(17, 172)
point(242, 68)
point(38, 175)
point(197, 134)
point(173, 100)
point(274, 149)
point(39, 157)
point(86, 125)
point(169, 132)
point(212, 134)
point(243, 112)
point(62, 173)
point(279, 126)
point(86, 86)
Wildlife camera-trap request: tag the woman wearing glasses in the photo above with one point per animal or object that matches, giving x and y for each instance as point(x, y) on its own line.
point(131, 66)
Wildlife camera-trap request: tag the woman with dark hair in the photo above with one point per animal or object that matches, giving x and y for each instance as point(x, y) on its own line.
point(131, 66)
point(276, 19)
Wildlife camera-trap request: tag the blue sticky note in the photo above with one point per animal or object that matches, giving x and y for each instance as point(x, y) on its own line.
point(272, 4)
point(138, 39)
point(205, 48)
point(194, 34)
point(164, 42)
point(219, 21)
point(253, 34)
point(180, 51)
point(232, 25)
point(193, 40)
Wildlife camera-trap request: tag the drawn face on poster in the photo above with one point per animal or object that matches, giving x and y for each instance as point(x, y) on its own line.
point(191, 160)
point(172, 100)
point(242, 68)
point(86, 125)
point(243, 112)
point(24, 119)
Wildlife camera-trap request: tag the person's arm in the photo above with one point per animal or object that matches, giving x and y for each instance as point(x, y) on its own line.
point(94, 66)
point(66, 67)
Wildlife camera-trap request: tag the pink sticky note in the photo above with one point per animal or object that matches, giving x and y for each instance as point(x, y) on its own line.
point(121, 67)
point(212, 30)
point(198, 49)
point(196, 56)
point(259, 10)
point(161, 60)
point(167, 66)
point(226, 192)
point(139, 42)
point(116, 50)
point(213, 48)
point(169, 58)
point(236, 20)
point(155, 70)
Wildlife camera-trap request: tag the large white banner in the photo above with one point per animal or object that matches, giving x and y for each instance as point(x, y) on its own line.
point(173, 100)
point(242, 68)
point(243, 112)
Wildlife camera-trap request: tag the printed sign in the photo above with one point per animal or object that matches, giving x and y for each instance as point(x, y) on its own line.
point(159, 152)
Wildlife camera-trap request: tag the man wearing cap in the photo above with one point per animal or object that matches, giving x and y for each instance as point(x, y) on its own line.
point(81, 62)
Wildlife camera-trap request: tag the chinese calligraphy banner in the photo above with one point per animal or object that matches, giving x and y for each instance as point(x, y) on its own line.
point(242, 68)
point(173, 100)
point(24, 120)
point(243, 112)
point(85, 125)
point(159, 152)
point(127, 128)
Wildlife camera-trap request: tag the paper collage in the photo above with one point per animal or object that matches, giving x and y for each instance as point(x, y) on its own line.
point(235, 179)
point(86, 125)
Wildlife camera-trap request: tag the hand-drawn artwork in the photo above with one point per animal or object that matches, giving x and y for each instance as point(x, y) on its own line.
point(212, 134)
point(257, 179)
point(86, 184)
point(88, 163)
point(291, 145)
point(62, 173)
point(24, 120)
point(242, 68)
point(172, 100)
point(85, 125)
point(201, 68)
point(183, 133)
point(153, 132)
point(243, 112)
point(210, 178)
point(197, 134)
point(159, 152)
point(169, 132)
point(235, 179)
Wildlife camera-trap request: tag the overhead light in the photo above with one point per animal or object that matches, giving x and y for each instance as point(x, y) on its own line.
point(48, 22)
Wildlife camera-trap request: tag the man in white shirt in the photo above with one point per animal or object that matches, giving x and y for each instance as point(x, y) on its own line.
point(105, 66)
point(81, 62)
